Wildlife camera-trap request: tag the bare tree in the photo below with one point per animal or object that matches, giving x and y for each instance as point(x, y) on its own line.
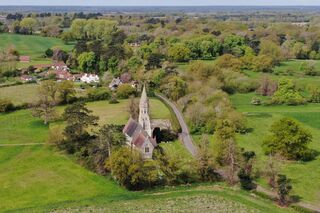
point(134, 108)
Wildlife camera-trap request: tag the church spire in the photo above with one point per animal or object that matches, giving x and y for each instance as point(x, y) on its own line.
point(144, 98)
point(144, 119)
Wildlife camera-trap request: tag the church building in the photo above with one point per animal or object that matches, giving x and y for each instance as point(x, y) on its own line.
point(139, 134)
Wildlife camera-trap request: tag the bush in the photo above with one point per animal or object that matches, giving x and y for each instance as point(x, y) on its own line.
point(6, 106)
point(99, 94)
point(256, 101)
point(287, 94)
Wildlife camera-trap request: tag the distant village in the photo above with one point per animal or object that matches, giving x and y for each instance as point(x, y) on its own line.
point(57, 70)
point(61, 72)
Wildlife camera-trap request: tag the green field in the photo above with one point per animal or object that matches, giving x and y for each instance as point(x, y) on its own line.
point(305, 175)
point(33, 46)
point(297, 75)
point(38, 178)
point(26, 93)
point(21, 127)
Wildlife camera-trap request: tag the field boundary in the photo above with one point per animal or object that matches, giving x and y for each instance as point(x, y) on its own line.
point(22, 144)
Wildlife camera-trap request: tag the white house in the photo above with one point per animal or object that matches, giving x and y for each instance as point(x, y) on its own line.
point(90, 78)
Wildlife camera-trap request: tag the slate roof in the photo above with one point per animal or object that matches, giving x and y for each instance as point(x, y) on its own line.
point(134, 130)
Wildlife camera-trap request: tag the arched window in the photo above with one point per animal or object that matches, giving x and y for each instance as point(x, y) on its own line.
point(146, 149)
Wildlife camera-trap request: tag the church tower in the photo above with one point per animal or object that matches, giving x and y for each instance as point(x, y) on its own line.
point(144, 119)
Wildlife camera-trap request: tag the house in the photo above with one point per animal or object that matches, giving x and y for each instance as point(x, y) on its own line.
point(89, 78)
point(60, 66)
point(61, 75)
point(115, 83)
point(139, 134)
point(64, 75)
point(24, 58)
point(26, 78)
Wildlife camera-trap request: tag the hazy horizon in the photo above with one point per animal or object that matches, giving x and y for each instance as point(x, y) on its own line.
point(160, 3)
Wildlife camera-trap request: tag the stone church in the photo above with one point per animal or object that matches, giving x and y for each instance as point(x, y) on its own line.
point(139, 134)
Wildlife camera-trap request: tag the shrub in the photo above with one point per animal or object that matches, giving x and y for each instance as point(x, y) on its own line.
point(99, 94)
point(6, 106)
point(256, 101)
point(287, 94)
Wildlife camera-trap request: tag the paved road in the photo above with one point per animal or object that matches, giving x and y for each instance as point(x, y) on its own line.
point(184, 135)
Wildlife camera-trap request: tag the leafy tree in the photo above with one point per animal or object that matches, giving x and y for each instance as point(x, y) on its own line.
point(210, 49)
point(174, 168)
point(234, 44)
point(66, 91)
point(6, 105)
point(28, 24)
point(110, 137)
point(134, 63)
point(205, 162)
point(314, 92)
point(245, 172)
point(228, 61)
point(179, 52)
point(174, 87)
point(47, 91)
point(87, 61)
point(49, 53)
point(228, 153)
point(271, 50)
point(125, 91)
point(288, 139)
point(78, 119)
point(59, 55)
point(287, 94)
point(66, 37)
point(309, 69)
point(131, 171)
point(263, 63)
point(284, 187)
point(153, 61)
point(113, 63)
point(44, 109)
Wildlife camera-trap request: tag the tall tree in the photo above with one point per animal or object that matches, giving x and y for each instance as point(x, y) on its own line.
point(78, 119)
point(228, 154)
point(66, 91)
point(205, 162)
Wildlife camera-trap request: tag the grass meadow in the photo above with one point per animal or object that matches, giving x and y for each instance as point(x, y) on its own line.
point(31, 45)
point(305, 175)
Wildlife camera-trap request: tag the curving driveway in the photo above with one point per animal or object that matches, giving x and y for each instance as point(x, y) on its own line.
point(184, 135)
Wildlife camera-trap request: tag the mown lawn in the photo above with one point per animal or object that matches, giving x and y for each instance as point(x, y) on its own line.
point(33, 46)
point(305, 175)
point(119, 113)
point(297, 75)
point(21, 127)
point(19, 94)
point(38, 176)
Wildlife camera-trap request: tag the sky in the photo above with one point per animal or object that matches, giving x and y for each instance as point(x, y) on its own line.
point(159, 2)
